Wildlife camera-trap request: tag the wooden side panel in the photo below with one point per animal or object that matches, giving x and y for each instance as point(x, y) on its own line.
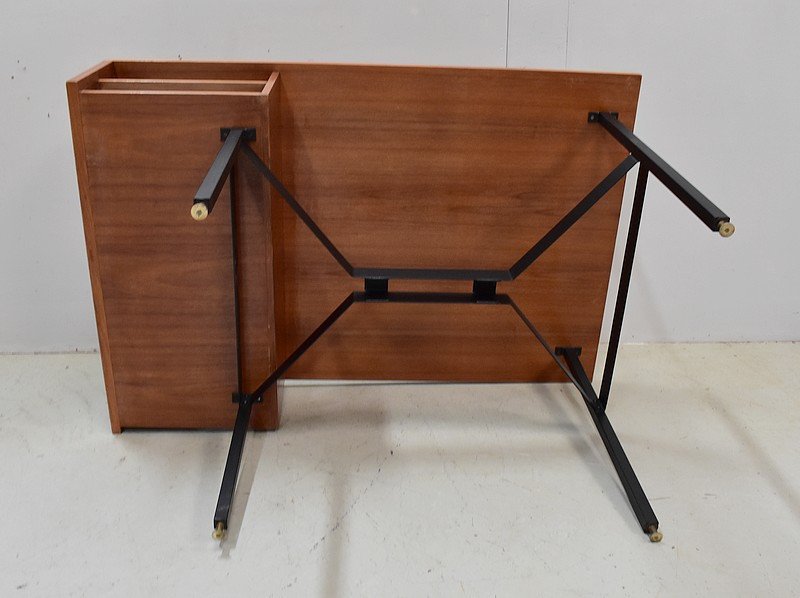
point(167, 280)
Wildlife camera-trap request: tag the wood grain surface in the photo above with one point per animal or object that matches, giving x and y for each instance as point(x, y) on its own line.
point(166, 281)
point(400, 166)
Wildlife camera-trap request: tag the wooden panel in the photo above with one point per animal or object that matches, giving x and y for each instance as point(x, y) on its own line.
point(401, 167)
point(446, 168)
point(166, 280)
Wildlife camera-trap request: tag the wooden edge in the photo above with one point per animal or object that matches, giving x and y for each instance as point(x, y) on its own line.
point(277, 208)
point(269, 146)
point(74, 88)
point(273, 83)
point(215, 85)
point(90, 76)
point(169, 92)
point(275, 66)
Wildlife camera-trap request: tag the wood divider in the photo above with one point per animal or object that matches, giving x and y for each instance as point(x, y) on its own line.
point(209, 85)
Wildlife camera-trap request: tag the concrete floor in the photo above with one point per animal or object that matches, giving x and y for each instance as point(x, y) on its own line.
point(415, 490)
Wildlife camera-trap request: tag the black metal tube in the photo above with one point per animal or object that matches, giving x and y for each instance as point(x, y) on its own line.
point(235, 255)
point(424, 297)
point(304, 346)
point(228, 486)
point(581, 378)
point(212, 184)
point(624, 284)
point(432, 274)
point(298, 209)
point(572, 216)
point(699, 204)
point(630, 483)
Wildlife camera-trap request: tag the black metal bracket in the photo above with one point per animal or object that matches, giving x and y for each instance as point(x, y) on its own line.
point(376, 289)
point(484, 290)
point(595, 116)
point(561, 351)
point(238, 397)
point(248, 133)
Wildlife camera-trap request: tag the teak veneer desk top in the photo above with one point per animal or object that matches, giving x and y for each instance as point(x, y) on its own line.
point(400, 166)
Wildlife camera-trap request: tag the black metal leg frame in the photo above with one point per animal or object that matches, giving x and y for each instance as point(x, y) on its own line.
point(484, 291)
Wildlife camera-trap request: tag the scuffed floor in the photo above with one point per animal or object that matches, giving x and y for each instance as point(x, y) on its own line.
point(415, 490)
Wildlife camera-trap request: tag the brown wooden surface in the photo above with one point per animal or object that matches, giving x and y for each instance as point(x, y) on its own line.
point(165, 281)
point(401, 167)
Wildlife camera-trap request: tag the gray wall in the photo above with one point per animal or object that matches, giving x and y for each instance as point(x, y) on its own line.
point(719, 98)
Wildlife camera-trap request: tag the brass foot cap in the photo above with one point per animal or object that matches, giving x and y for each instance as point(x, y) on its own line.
point(726, 229)
point(219, 532)
point(655, 535)
point(199, 211)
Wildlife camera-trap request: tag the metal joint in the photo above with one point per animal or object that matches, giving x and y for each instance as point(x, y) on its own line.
point(248, 133)
point(243, 397)
point(562, 351)
point(484, 291)
point(376, 289)
point(595, 116)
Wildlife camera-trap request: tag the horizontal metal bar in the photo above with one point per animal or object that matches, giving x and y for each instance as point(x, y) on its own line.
point(217, 174)
point(304, 346)
point(423, 297)
point(431, 274)
point(699, 204)
point(572, 216)
point(298, 209)
point(233, 462)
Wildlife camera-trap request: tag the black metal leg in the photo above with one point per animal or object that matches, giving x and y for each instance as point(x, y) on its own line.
point(217, 174)
point(577, 375)
point(699, 204)
point(235, 255)
point(232, 466)
point(624, 284)
point(633, 489)
point(242, 423)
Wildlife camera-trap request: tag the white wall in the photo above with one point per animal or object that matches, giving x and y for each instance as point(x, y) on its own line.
point(719, 98)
